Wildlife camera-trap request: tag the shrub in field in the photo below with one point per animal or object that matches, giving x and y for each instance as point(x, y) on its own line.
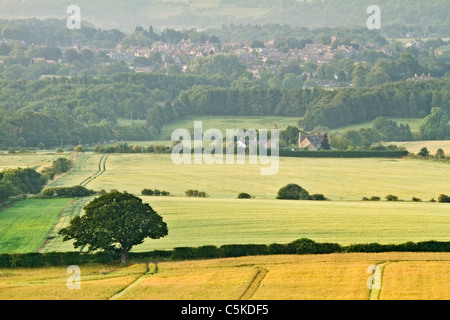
point(60, 165)
point(444, 198)
point(67, 192)
point(156, 192)
point(244, 195)
point(440, 154)
point(196, 193)
point(374, 198)
point(293, 192)
point(414, 199)
point(147, 192)
point(423, 152)
point(318, 197)
point(391, 197)
point(79, 148)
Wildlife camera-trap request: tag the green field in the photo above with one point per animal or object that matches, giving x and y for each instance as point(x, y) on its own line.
point(223, 219)
point(197, 222)
point(24, 226)
point(419, 276)
point(337, 179)
point(414, 124)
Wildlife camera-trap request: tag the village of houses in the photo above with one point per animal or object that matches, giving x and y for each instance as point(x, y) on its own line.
point(253, 58)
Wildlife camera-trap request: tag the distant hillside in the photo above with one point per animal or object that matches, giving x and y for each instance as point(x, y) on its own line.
point(424, 18)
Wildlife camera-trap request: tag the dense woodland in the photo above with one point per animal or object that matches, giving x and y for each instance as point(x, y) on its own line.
point(85, 110)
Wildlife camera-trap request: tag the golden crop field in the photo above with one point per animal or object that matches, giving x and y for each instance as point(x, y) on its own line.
point(419, 276)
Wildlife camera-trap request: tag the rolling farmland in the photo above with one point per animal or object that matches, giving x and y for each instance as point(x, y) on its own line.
point(24, 226)
point(223, 219)
point(283, 277)
point(197, 222)
point(337, 179)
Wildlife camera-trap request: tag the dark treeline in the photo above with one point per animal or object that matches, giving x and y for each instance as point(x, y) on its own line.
point(319, 107)
point(85, 110)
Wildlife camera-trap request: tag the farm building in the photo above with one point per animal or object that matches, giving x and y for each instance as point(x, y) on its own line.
point(313, 142)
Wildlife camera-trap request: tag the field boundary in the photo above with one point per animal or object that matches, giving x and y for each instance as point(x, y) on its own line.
point(53, 229)
point(65, 216)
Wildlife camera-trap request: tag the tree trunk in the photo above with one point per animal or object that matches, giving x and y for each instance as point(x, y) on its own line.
point(124, 256)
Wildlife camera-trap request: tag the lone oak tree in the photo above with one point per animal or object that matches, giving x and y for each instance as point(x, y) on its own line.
point(115, 221)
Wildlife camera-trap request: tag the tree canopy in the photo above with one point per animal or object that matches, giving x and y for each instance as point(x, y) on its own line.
point(115, 221)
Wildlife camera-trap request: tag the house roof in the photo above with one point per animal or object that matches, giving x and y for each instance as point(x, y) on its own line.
point(313, 139)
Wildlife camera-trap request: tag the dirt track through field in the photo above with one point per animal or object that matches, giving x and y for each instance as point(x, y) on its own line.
point(101, 170)
point(141, 278)
point(374, 293)
point(254, 284)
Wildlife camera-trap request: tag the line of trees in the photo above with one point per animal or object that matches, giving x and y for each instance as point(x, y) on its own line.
point(87, 111)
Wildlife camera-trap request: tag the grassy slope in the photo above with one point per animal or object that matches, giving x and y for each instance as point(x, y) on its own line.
point(25, 226)
point(414, 124)
point(197, 222)
point(222, 219)
point(337, 179)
